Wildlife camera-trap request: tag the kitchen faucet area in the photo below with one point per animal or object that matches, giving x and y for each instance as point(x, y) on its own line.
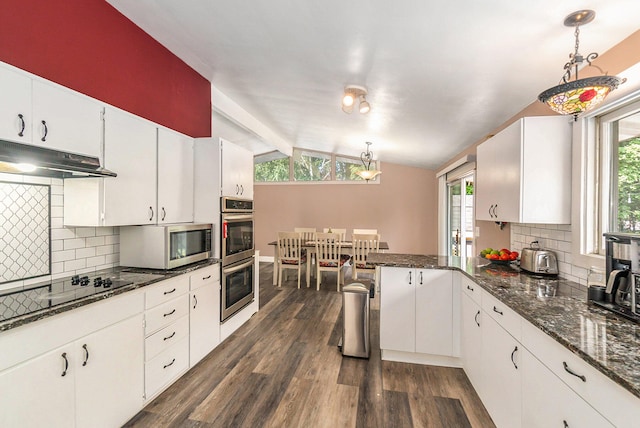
point(342, 214)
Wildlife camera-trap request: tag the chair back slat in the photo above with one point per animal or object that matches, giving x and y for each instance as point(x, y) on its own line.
point(289, 246)
point(328, 247)
point(306, 233)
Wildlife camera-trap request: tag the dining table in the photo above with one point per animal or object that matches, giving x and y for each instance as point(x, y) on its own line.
point(310, 246)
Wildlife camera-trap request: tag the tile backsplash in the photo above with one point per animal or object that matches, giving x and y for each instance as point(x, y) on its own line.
point(74, 250)
point(555, 237)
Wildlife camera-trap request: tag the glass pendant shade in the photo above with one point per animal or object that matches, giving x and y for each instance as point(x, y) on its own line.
point(368, 174)
point(579, 96)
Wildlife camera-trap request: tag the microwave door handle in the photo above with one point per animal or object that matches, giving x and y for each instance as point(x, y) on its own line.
point(238, 267)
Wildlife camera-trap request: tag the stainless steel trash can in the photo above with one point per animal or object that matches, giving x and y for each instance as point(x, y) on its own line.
point(355, 326)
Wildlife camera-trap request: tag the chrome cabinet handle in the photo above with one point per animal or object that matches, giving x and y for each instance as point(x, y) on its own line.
point(86, 355)
point(66, 364)
point(490, 208)
point(195, 301)
point(420, 277)
point(206, 277)
point(241, 189)
point(495, 211)
point(237, 189)
point(169, 292)
point(497, 311)
point(170, 364)
point(151, 215)
point(164, 213)
point(170, 313)
point(22, 125)
point(469, 288)
point(409, 277)
point(476, 318)
point(46, 131)
point(571, 372)
point(170, 336)
point(512, 360)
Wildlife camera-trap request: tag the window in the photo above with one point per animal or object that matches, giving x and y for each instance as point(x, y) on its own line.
point(272, 166)
point(311, 166)
point(619, 172)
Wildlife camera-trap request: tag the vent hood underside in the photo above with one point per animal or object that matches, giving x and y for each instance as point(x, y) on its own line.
point(24, 159)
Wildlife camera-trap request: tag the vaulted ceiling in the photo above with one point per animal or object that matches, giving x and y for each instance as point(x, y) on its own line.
point(440, 74)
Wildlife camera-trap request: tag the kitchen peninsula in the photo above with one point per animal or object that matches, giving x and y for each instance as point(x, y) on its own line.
point(528, 342)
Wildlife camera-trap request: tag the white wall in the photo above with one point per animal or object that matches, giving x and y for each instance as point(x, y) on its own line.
point(74, 250)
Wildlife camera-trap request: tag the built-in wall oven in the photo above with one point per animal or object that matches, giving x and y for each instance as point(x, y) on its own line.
point(237, 250)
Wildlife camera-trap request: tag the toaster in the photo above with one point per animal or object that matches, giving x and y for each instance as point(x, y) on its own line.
point(537, 260)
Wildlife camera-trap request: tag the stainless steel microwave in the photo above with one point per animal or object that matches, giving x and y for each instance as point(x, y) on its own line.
point(164, 246)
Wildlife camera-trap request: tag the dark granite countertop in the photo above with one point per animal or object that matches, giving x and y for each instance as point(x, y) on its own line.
point(41, 304)
point(607, 341)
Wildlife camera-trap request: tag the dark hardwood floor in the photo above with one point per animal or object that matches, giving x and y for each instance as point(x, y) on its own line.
point(283, 369)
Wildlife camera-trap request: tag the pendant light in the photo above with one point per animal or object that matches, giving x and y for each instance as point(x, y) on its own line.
point(367, 173)
point(579, 95)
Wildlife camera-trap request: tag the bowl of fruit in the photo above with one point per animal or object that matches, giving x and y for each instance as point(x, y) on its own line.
point(499, 257)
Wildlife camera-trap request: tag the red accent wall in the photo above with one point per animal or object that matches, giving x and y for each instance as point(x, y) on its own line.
point(88, 46)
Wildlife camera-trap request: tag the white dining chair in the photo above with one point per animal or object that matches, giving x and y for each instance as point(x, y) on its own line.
point(364, 232)
point(290, 254)
point(329, 257)
point(308, 234)
point(362, 245)
point(341, 232)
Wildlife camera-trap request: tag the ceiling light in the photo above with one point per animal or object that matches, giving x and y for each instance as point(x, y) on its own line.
point(367, 173)
point(352, 92)
point(579, 95)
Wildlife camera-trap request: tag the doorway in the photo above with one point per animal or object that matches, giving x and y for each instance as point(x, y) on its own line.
point(460, 216)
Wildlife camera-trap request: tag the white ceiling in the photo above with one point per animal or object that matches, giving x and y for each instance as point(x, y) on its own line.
point(441, 74)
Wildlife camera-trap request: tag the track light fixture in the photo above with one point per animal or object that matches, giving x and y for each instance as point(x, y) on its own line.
point(353, 93)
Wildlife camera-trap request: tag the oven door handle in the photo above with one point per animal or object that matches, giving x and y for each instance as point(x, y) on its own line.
point(236, 217)
point(234, 268)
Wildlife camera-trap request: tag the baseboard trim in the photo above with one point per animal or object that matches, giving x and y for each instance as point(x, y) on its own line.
point(417, 358)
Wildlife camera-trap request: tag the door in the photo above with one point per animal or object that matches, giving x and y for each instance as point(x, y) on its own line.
point(15, 108)
point(471, 337)
point(460, 216)
point(398, 309)
point(204, 321)
point(434, 311)
point(175, 177)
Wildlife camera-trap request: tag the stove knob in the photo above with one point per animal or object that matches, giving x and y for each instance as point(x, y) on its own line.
point(84, 281)
point(75, 280)
point(97, 282)
point(107, 283)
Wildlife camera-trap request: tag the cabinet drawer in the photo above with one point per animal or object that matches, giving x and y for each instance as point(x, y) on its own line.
point(166, 367)
point(166, 290)
point(165, 338)
point(471, 289)
point(204, 276)
point(614, 402)
point(506, 317)
point(165, 314)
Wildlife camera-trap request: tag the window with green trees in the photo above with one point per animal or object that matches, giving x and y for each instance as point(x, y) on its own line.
point(272, 166)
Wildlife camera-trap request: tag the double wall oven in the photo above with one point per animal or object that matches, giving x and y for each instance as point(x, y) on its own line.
point(237, 250)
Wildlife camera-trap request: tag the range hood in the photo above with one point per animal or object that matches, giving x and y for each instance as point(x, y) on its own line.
point(25, 159)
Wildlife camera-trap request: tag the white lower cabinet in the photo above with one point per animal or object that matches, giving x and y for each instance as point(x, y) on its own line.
point(549, 402)
point(204, 313)
point(471, 341)
point(95, 381)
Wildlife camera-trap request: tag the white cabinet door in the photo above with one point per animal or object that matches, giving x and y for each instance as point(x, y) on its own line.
point(502, 365)
point(130, 151)
point(471, 338)
point(110, 374)
point(204, 321)
point(36, 394)
point(549, 402)
point(237, 171)
point(486, 179)
point(397, 309)
point(434, 311)
point(15, 106)
point(66, 121)
point(175, 177)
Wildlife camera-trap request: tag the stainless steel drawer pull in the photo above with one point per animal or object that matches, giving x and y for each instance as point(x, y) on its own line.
point(170, 364)
point(66, 364)
point(469, 288)
point(571, 372)
point(409, 277)
point(170, 336)
point(169, 292)
point(206, 277)
point(476, 318)
point(512, 360)
point(497, 311)
point(195, 301)
point(170, 313)
point(46, 131)
point(22, 124)
point(86, 355)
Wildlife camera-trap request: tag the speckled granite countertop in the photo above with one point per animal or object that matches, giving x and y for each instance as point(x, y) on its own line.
point(44, 304)
point(608, 342)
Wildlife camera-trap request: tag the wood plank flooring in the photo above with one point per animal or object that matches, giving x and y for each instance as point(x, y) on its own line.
point(283, 369)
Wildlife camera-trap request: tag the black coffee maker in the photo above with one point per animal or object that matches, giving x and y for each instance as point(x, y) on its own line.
point(622, 292)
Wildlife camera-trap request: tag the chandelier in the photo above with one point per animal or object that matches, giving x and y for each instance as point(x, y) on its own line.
point(367, 173)
point(353, 93)
point(579, 95)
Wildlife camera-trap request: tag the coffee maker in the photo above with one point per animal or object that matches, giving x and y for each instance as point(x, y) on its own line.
point(622, 292)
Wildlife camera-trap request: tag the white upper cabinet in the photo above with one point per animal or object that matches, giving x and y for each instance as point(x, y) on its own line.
point(524, 172)
point(39, 112)
point(65, 121)
point(175, 177)
point(15, 106)
point(237, 171)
